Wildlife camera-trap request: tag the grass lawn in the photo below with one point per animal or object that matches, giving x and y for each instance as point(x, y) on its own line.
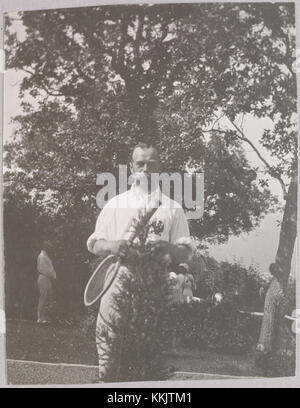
point(75, 345)
point(27, 340)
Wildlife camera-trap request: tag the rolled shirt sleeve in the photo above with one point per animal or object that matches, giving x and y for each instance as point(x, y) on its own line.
point(101, 229)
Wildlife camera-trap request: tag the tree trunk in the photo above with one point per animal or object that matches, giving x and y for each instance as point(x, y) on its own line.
point(143, 114)
point(274, 312)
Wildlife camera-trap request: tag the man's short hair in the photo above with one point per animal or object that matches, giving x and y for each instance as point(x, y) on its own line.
point(144, 145)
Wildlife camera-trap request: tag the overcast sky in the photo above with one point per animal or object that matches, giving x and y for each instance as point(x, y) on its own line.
point(258, 247)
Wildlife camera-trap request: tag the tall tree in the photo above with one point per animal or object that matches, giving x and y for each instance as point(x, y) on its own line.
point(100, 85)
point(254, 62)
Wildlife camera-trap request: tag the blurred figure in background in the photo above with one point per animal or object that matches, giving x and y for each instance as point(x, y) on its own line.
point(46, 278)
point(183, 284)
point(188, 282)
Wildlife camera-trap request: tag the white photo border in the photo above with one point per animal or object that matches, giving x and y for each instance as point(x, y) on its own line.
point(31, 5)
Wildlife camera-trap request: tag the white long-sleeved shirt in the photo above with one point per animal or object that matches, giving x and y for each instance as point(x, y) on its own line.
point(115, 220)
point(115, 223)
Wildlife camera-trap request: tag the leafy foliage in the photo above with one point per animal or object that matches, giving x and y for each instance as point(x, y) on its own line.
point(223, 327)
point(142, 322)
point(112, 76)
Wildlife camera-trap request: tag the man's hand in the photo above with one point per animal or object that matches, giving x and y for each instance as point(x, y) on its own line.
point(125, 250)
point(120, 248)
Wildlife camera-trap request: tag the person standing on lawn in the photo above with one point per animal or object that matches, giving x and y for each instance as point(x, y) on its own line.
point(113, 229)
point(46, 277)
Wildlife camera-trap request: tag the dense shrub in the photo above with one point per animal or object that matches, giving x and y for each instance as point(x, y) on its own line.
point(25, 228)
point(144, 325)
point(224, 327)
point(220, 328)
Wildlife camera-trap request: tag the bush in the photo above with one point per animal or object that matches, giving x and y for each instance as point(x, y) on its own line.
point(143, 331)
point(26, 226)
point(224, 328)
point(219, 328)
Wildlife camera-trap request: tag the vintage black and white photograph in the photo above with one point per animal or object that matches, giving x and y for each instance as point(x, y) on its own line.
point(150, 173)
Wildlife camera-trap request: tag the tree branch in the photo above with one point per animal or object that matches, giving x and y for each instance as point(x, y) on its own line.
point(118, 61)
point(43, 86)
point(138, 40)
point(242, 137)
point(288, 57)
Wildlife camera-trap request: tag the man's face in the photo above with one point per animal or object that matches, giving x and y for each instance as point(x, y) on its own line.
point(145, 161)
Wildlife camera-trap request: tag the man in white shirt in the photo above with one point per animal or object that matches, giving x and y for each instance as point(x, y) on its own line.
point(46, 277)
point(113, 227)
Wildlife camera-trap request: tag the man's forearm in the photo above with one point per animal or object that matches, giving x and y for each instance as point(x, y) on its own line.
point(179, 253)
point(104, 248)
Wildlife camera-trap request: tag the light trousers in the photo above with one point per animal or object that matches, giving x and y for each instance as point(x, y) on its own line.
point(45, 298)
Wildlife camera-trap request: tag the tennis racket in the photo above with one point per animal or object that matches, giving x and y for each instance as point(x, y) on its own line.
point(107, 271)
